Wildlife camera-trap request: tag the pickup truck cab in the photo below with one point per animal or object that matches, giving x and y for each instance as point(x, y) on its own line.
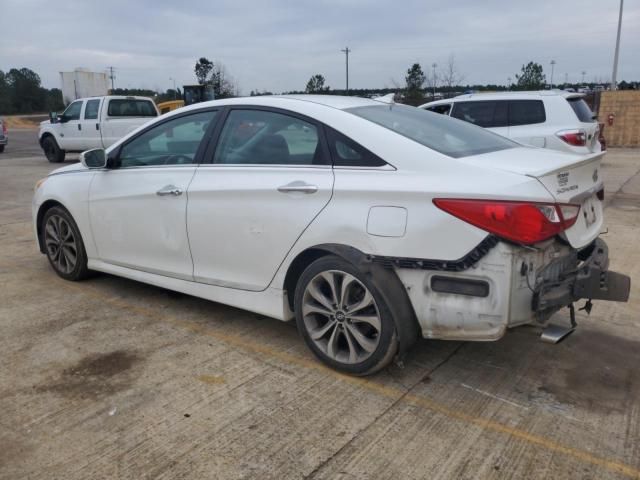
point(96, 122)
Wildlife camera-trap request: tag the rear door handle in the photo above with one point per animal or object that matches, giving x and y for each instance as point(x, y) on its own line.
point(169, 190)
point(298, 186)
point(79, 126)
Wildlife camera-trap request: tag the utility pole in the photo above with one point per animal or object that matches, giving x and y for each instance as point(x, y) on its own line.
point(346, 51)
point(175, 92)
point(553, 64)
point(583, 74)
point(434, 65)
point(615, 56)
point(112, 77)
point(508, 83)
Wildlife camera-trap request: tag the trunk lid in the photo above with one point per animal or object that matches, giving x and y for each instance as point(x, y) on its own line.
point(569, 178)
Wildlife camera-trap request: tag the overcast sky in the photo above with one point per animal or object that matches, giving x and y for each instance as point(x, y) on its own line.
point(277, 45)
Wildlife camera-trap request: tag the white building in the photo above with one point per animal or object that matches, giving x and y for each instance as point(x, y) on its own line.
point(82, 83)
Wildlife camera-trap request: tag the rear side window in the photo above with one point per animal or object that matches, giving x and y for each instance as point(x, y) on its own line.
point(526, 112)
point(581, 109)
point(484, 113)
point(131, 108)
point(91, 110)
point(347, 153)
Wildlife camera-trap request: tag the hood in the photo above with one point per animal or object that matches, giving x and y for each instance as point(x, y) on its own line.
point(74, 167)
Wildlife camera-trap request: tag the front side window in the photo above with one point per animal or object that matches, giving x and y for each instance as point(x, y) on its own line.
point(174, 142)
point(259, 137)
point(91, 110)
point(73, 111)
point(485, 114)
point(526, 112)
point(437, 132)
point(130, 107)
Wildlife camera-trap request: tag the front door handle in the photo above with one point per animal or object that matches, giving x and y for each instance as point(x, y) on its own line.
point(79, 126)
point(298, 186)
point(169, 190)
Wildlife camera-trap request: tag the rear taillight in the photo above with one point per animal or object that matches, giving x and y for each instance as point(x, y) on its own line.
point(521, 222)
point(576, 138)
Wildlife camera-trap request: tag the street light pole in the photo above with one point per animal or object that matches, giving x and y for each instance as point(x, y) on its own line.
point(615, 56)
point(346, 51)
point(175, 92)
point(553, 64)
point(583, 74)
point(434, 65)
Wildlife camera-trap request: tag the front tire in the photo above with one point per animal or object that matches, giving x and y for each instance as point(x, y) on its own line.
point(52, 150)
point(63, 245)
point(1, 148)
point(343, 318)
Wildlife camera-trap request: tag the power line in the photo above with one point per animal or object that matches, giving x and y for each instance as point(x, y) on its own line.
point(346, 52)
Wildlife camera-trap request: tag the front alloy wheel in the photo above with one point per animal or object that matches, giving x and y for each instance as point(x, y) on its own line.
point(63, 244)
point(343, 318)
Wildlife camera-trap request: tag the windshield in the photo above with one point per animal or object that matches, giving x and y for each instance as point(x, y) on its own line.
point(441, 133)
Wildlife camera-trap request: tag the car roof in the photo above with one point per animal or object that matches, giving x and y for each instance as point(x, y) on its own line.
point(289, 101)
point(512, 95)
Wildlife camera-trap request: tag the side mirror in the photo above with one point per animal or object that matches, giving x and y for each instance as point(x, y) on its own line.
point(96, 158)
point(53, 117)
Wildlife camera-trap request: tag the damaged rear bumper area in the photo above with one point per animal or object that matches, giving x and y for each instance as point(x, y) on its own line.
point(580, 275)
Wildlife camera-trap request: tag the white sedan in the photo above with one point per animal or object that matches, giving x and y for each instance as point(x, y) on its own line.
point(369, 223)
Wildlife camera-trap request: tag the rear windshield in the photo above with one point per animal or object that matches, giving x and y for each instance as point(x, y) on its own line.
point(441, 133)
point(581, 109)
point(131, 108)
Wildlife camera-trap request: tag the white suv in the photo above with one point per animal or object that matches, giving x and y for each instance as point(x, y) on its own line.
point(550, 119)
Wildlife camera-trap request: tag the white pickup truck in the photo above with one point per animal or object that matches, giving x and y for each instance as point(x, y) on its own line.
point(95, 122)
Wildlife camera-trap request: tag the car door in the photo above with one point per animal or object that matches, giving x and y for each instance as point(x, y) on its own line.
point(269, 177)
point(90, 125)
point(525, 118)
point(138, 209)
point(70, 127)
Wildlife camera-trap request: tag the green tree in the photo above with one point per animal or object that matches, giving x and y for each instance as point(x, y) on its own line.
point(316, 85)
point(203, 69)
point(414, 94)
point(531, 77)
point(25, 91)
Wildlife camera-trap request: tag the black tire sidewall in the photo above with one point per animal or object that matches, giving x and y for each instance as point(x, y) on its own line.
point(387, 345)
point(58, 155)
point(80, 270)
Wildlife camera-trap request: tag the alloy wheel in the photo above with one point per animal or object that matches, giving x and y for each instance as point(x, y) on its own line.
point(341, 316)
point(61, 244)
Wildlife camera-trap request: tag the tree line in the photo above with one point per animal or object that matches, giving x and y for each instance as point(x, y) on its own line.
point(21, 91)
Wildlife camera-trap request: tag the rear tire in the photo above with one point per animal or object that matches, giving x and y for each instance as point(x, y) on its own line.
point(343, 318)
point(63, 245)
point(1, 148)
point(52, 150)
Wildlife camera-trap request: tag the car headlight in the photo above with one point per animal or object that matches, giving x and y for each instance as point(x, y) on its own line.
point(39, 184)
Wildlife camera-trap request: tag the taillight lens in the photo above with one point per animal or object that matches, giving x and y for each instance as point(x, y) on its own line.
point(576, 138)
point(521, 222)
